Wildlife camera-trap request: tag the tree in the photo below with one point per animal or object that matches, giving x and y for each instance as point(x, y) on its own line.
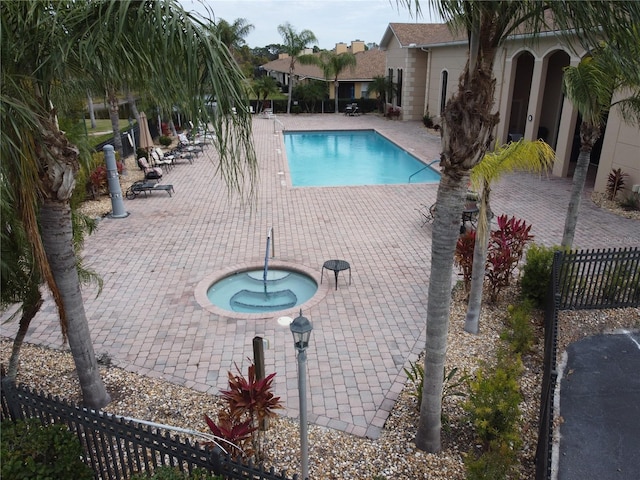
point(264, 86)
point(519, 156)
point(383, 88)
point(233, 35)
point(468, 122)
point(333, 65)
point(47, 43)
point(294, 44)
point(591, 86)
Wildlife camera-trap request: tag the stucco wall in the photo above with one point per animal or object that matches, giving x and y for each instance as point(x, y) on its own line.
point(621, 149)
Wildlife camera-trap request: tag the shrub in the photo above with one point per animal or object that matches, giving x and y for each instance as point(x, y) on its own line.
point(464, 256)
point(495, 464)
point(250, 403)
point(164, 140)
point(506, 247)
point(141, 152)
point(31, 450)
point(173, 473)
point(493, 407)
point(631, 202)
point(493, 402)
point(615, 182)
point(427, 120)
point(98, 177)
point(536, 273)
point(519, 332)
point(621, 281)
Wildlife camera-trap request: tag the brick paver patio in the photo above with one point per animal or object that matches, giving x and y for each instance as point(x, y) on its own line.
point(149, 321)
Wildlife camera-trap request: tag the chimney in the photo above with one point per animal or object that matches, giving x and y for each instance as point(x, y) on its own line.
point(357, 46)
point(341, 48)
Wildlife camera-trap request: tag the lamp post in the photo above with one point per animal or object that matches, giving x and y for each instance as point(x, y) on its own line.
point(301, 329)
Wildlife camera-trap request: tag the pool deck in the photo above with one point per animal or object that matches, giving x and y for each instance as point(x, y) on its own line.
point(150, 320)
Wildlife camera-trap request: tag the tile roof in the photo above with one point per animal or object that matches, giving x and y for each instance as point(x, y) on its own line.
point(368, 64)
point(423, 33)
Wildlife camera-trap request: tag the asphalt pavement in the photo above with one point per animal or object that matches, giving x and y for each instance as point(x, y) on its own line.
point(600, 408)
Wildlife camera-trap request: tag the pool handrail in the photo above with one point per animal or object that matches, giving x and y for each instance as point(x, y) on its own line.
point(423, 168)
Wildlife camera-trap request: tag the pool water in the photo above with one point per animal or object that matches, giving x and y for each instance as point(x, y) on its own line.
point(353, 157)
point(249, 293)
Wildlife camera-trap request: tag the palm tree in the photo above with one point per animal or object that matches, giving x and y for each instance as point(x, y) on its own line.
point(233, 35)
point(333, 65)
point(591, 86)
point(519, 156)
point(46, 44)
point(384, 89)
point(264, 86)
point(468, 122)
point(294, 44)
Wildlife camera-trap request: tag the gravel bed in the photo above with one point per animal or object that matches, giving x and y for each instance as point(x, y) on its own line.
point(334, 454)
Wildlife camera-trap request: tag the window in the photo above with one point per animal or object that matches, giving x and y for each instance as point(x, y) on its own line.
point(399, 86)
point(443, 90)
point(390, 92)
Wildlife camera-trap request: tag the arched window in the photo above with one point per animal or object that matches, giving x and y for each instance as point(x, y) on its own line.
point(443, 90)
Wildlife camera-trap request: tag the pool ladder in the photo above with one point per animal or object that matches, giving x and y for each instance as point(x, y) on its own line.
point(275, 120)
point(423, 168)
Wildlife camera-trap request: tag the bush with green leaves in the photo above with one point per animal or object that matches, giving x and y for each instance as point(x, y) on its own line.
point(536, 273)
point(519, 332)
point(493, 401)
point(494, 464)
point(173, 473)
point(164, 140)
point(621, 281)
point(31, 450)
point(451, 386)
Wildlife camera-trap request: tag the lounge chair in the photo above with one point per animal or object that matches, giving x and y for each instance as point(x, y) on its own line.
point(159, 158)
point(150, 173)
point(352, 110)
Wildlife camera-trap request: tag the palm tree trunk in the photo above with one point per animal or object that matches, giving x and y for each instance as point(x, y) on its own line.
point(29, 310)
point(474, 307)
point(92, 112)
point(336, 85)
point(589, 134)
point(446, 228)
point(133, 108)
point(57, 238)
point(114, 115)
point(291, 80)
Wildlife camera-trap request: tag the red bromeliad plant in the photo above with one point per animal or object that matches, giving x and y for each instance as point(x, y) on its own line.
point(506, 248)
point(250, 402)
point(464, 256)
point(238, 434)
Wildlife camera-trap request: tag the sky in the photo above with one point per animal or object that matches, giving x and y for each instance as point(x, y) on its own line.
point(332, 21)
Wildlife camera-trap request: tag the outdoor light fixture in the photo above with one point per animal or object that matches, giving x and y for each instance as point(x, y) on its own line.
point(301, 329)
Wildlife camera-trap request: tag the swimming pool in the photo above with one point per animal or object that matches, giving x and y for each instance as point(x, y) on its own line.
point(352, 157)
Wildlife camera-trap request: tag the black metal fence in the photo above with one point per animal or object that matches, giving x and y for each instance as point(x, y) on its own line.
point(599, 279)
point(115, 448)
point(129, 139)
point(585, 279)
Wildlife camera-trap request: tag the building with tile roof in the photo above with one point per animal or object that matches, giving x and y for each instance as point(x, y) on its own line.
point(353, 82)
point(425, 61)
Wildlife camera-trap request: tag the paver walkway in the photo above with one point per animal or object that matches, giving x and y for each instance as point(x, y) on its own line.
point(148, 320)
